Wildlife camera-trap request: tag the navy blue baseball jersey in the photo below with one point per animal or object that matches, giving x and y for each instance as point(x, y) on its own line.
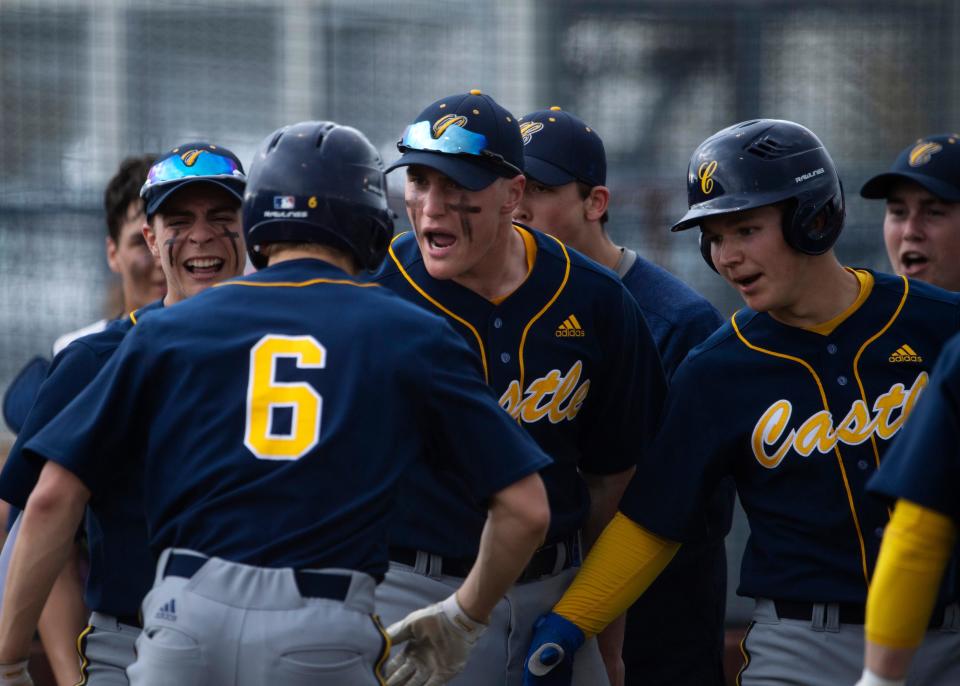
point(923, 464)
point(800, 419)
point(275, 414)
point(571, 360)
point(121, 566)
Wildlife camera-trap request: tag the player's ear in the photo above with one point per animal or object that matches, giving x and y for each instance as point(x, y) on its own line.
point(112, 255)
point(150, 236)
point(596, 203)
point(514, 193)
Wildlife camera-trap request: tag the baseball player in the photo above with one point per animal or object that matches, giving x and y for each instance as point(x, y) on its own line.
point(797, 399)
point(920, 474)
point(264, 487)
point(921, 225)
point(563, 346)
point(141, 281)
point(194, 190)
point(675, 632)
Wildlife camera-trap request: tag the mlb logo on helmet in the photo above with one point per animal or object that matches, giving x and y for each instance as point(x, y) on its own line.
point(284, 202)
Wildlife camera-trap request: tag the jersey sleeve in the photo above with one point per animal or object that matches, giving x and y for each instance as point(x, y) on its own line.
point(105, 423)
point(923, 464)
point(689, 456)
point(625, 406)
point(488, 449)
point(68, 375)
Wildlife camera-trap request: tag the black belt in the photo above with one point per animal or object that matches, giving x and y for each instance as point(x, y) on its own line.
point(543, 563)
point(850, 613)
point(311, 584)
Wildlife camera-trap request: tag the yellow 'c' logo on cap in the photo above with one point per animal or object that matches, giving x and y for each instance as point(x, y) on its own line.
point(922, 152)
point(705, 174)
point(446, 121)
point(528, 128)
point(190, 157)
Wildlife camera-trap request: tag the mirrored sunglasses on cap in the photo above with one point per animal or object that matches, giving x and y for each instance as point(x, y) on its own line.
point(205, 163)
point(455, 140)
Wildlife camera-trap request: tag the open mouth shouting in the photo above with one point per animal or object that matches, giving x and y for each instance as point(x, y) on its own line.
point(439, 242)
point(913, 262)
point(204, 268)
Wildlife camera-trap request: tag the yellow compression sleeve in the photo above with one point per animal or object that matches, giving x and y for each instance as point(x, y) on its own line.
point(916, 548)
point(621, 565)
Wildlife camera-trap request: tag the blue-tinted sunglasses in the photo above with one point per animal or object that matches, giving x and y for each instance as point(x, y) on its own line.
point(454, 140)
point(192, 163)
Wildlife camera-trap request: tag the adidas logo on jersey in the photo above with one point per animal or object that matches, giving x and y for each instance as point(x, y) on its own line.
point(168, 611)
point(905, 354)
point(570, 328)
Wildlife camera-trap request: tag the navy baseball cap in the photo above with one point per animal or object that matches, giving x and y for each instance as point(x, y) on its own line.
point(559, 148)
point(468, 137)
point(932, 162)
point(190, 163)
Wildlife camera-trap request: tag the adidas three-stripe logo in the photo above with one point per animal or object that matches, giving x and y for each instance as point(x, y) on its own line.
point(168, 610)
point(570, 328)
point(905, 354)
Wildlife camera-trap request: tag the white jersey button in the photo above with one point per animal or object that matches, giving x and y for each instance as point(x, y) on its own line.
point(863, 464)
point(832, 349)
point(842, 380)
point(497, 323)
point(504, 357)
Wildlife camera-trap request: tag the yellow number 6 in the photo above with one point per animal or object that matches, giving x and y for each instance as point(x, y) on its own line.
point(265, 393)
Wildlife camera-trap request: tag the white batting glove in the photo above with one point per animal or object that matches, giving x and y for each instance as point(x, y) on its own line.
point(439, 639)
point(871, 679)
point(15, 674)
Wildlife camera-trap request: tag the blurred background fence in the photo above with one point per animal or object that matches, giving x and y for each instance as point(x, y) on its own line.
point(84, 83)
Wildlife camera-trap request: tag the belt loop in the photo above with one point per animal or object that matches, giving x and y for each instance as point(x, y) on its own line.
point(833, 618)
point(162, 565)
point(951, 618)
point(560, 557)
point(818, 620)
point(421, 563)
point(436, 566)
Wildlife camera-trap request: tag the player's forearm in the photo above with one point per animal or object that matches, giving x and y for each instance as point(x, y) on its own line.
point(887, 662)
point(63, 618)
point(516, 525)
point(610, 642)
point(620, 567)
point(43, 546)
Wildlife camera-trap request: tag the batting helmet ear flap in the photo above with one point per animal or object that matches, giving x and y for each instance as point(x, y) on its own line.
point(705, 252)
point(812, 224)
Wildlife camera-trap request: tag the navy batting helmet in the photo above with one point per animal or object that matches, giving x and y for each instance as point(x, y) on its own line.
point(764, 162)
point(318, 182)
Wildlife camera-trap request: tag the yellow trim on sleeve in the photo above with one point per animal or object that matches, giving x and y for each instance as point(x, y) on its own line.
point(133, 317)
point(621, 565)
point(916, 547)
point(866, 287)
